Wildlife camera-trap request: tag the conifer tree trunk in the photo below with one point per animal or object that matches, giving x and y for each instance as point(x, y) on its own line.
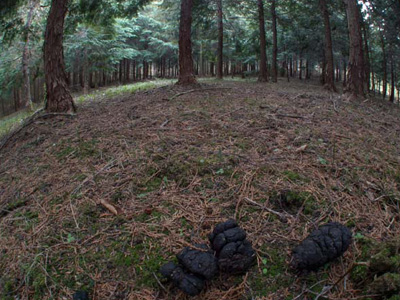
point(392, 84)
point(263, 77)
point(356, 73)
point(367, 61)
point(27, 98)
point(384, 65)
point(274, 69)
point(186, 71)
point(58, 96)
point(329, 71)
point(220, 51)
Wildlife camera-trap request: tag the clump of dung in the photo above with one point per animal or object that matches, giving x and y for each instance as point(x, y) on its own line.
point(235, 254)
point(195, 266)
point(323, 245)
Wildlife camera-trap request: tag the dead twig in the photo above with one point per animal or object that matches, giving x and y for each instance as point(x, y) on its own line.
point(108, 165)
point(290, 116)
point(196, 90)
point(28, 122)
point(282, 216)
point(159, 283)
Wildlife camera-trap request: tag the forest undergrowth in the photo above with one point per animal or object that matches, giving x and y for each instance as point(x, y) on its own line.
point(101, 200)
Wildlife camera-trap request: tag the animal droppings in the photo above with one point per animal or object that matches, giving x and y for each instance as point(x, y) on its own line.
point(323, 245)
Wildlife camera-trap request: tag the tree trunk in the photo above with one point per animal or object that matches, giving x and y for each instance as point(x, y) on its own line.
point(356, 78)
point(220, 51)
point(384, 66)
point(274, 69)
point(27, 98)
point(392, 84)
point(367, 61)
point(301, 68)
point(329, 71)
point(58, 96)
point(263, 77)
point(186, 73)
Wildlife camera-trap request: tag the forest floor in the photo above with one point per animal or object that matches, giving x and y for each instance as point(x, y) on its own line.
point(101, 200)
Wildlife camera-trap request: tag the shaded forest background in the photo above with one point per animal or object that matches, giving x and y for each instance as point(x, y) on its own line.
point(109, 44)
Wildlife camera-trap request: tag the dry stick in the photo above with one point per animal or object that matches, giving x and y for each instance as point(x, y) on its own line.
point(108, 165)
point(306, 290)
point(328, 288)
point(29, 121)
point(280, 215)
point(164, 123)
point(159, 283)
point(195, 90)
point(290, 116)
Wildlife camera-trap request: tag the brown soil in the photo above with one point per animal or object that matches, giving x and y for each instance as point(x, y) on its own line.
point(172, 169)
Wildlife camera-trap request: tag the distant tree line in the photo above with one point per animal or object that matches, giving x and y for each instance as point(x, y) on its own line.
point(50, 48)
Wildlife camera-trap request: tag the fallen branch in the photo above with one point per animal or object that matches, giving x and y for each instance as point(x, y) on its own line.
point(159, 283)
point(164, 123)
point(290, 116)
point(195, 90)
point(108, 165)
point(282, 216)
point(28, 122)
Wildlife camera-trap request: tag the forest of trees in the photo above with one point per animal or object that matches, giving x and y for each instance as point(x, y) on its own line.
point(49, 49)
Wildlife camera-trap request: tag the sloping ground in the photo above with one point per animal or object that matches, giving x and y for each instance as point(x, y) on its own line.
point(172, 165)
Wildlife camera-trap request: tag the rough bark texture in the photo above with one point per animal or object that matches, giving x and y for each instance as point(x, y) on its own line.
point(329, 71)
point(384, 66)
point(220, 51)
point(27, 98)
point(186, 71)
point(392, 89)
point(263, 43)
point(356, 74)
point(58, 97)
point(274, 69)
point(367, 61)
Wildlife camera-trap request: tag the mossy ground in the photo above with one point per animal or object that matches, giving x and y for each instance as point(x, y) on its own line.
point(172, 169)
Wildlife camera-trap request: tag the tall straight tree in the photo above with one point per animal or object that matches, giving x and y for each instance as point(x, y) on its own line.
point(274, 69)
point(329, 76)
point(220, 51)
point(58, 97)
point(186, 70)
point(356, 74)
point(367, 60)
point(27, 100)
point(263, 77)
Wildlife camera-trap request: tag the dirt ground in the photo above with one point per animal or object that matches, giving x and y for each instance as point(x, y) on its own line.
point(101, 200)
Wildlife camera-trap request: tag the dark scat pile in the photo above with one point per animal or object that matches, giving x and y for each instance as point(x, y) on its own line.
point(80, 295)
point(195, 266)
point(235, 254)
point(323, 245)
point(188, 283)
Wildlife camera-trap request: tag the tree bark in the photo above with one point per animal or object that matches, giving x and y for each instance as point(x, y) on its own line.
point(220, 56)
point(27, 98)
point(186, 72)
point(274, 69)
point(392, 89)
point(367, 61)
point(356, 77)
point(329, 71)
point(58, 96)
point(263, 77)
point(384, 65)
